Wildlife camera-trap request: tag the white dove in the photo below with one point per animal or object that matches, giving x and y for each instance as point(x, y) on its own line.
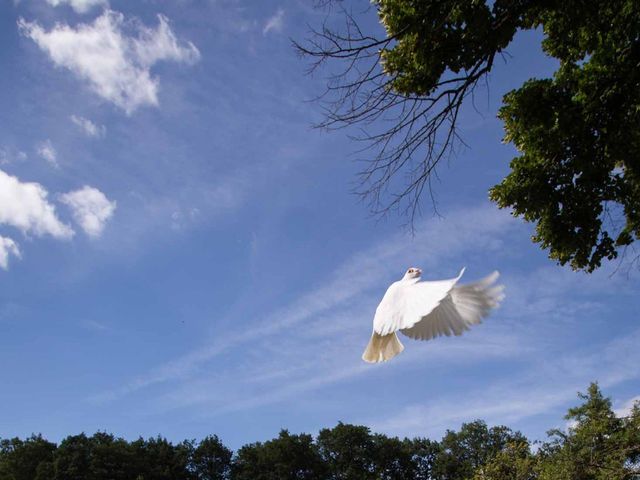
point(424, 310)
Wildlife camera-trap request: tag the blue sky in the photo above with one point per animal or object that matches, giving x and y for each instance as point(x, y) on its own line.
point(181, 254)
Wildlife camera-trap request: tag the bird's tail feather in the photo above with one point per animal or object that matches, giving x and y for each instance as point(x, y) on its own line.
point(382, 348)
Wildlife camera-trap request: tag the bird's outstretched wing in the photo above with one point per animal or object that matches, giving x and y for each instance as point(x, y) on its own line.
point(462, 307)
point(405, 304)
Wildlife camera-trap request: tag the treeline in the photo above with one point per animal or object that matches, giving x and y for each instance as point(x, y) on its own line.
point(598, 446)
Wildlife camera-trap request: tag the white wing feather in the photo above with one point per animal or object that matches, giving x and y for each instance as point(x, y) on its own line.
point(462, 307)
point(406, 303)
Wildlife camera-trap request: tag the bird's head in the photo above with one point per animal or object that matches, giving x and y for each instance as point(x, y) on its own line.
point(412, 273)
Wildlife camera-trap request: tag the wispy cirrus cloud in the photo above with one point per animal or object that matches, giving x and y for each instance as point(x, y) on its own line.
point(294, 363)
point(547, 385)
point(275, 23)
point(80, 6)
point(47, 151)
point(114, 56)
point(95, 326)
point(483, 225)
point(8, 247)
point(88, 127)
point(9, 155)
point(314, 342)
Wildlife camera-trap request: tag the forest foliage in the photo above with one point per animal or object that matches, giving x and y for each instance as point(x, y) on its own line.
point(577, 173)
point(598, 445)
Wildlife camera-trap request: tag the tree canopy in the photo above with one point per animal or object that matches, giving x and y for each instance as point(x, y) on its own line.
point(577, 175)
point(598, 445)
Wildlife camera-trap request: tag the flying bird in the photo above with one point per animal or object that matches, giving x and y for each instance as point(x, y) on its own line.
point(425, 310)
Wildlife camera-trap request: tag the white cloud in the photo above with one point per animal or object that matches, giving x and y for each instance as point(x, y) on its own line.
point(182, 217)
point(495, 405)
point(274, 23)
point(80, 6)
point(91, 209)
point(46, 151)
point(88, 127)
point(95, 326)
point(24, 205)
point(116, 64)
point(8, 155)
point(295, 362)
point(7, 247)
point(625, 409)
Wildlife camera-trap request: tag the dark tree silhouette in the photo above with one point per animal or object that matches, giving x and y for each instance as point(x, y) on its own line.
point(599, 445)
point(288, 457)
point(211, 459)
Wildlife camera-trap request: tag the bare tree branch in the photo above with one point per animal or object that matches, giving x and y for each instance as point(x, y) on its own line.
point(405, 135)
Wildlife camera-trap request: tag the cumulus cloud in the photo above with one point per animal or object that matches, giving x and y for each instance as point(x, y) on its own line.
point(24, 205)
point(113, 56)
point(46, 151)
point(7, 247)
point(80, 6)
point(88, 127)
point(90, 208)
point(274, 23)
